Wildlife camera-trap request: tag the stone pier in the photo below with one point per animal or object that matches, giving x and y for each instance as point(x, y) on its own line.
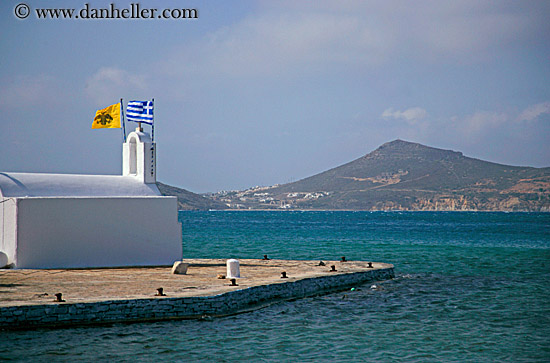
point(109, 295)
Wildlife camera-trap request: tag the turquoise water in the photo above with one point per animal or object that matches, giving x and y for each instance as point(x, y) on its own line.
point(469, 287)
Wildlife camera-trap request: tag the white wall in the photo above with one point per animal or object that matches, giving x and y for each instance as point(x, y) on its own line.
point(8, 225)
point(97, 232)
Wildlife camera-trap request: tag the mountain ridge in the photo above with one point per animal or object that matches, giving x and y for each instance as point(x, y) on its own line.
point(188, 200)
point(402, 175)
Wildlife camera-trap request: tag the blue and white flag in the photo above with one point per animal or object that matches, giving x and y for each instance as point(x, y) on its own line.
point(140, 111)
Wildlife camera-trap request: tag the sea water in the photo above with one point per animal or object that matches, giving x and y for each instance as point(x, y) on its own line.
point(469, 287)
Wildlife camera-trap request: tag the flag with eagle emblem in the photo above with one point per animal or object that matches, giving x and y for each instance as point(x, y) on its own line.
point(108, 118)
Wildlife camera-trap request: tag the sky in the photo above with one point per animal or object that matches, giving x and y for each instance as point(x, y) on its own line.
point(265, 92)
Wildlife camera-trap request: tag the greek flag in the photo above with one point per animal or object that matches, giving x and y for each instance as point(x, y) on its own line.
point(140, 111)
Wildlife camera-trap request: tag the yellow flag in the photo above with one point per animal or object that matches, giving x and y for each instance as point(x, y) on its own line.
point(108, 118)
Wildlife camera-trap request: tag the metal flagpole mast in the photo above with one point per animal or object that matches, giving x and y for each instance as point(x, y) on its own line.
point(153, 123)
point(123, 123)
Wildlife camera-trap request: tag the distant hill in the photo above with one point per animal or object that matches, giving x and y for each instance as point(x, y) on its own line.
point(188, 200)
point(402, 175)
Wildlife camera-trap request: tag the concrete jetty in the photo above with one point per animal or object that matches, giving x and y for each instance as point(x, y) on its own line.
point(108, 295)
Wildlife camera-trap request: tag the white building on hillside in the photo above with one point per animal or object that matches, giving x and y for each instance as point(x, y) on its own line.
point(64, 221)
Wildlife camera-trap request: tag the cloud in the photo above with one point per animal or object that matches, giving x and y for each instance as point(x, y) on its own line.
point(485, 120)
point(109, 83)
point(474, 29)
point(534, 111)
point(481, 121)
point(411, 115)
point(470, 128)
point(290, 36)
point(270, 43)
point(40, 90)
point(475, 125)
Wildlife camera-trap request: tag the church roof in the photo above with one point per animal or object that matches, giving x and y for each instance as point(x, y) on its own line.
point(73, 185)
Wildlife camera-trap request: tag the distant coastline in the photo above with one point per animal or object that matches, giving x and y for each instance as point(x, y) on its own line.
point(363, 211)
point(398, 176)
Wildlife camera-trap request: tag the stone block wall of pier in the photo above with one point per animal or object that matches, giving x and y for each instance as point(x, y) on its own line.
point(165, 308)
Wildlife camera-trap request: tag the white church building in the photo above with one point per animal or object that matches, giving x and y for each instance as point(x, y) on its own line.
point(71, 221)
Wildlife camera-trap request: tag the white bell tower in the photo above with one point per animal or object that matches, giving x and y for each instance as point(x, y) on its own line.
point(139, 157)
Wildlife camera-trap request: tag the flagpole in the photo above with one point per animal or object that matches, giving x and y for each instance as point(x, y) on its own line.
point(123, 123)
point(153, 123)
